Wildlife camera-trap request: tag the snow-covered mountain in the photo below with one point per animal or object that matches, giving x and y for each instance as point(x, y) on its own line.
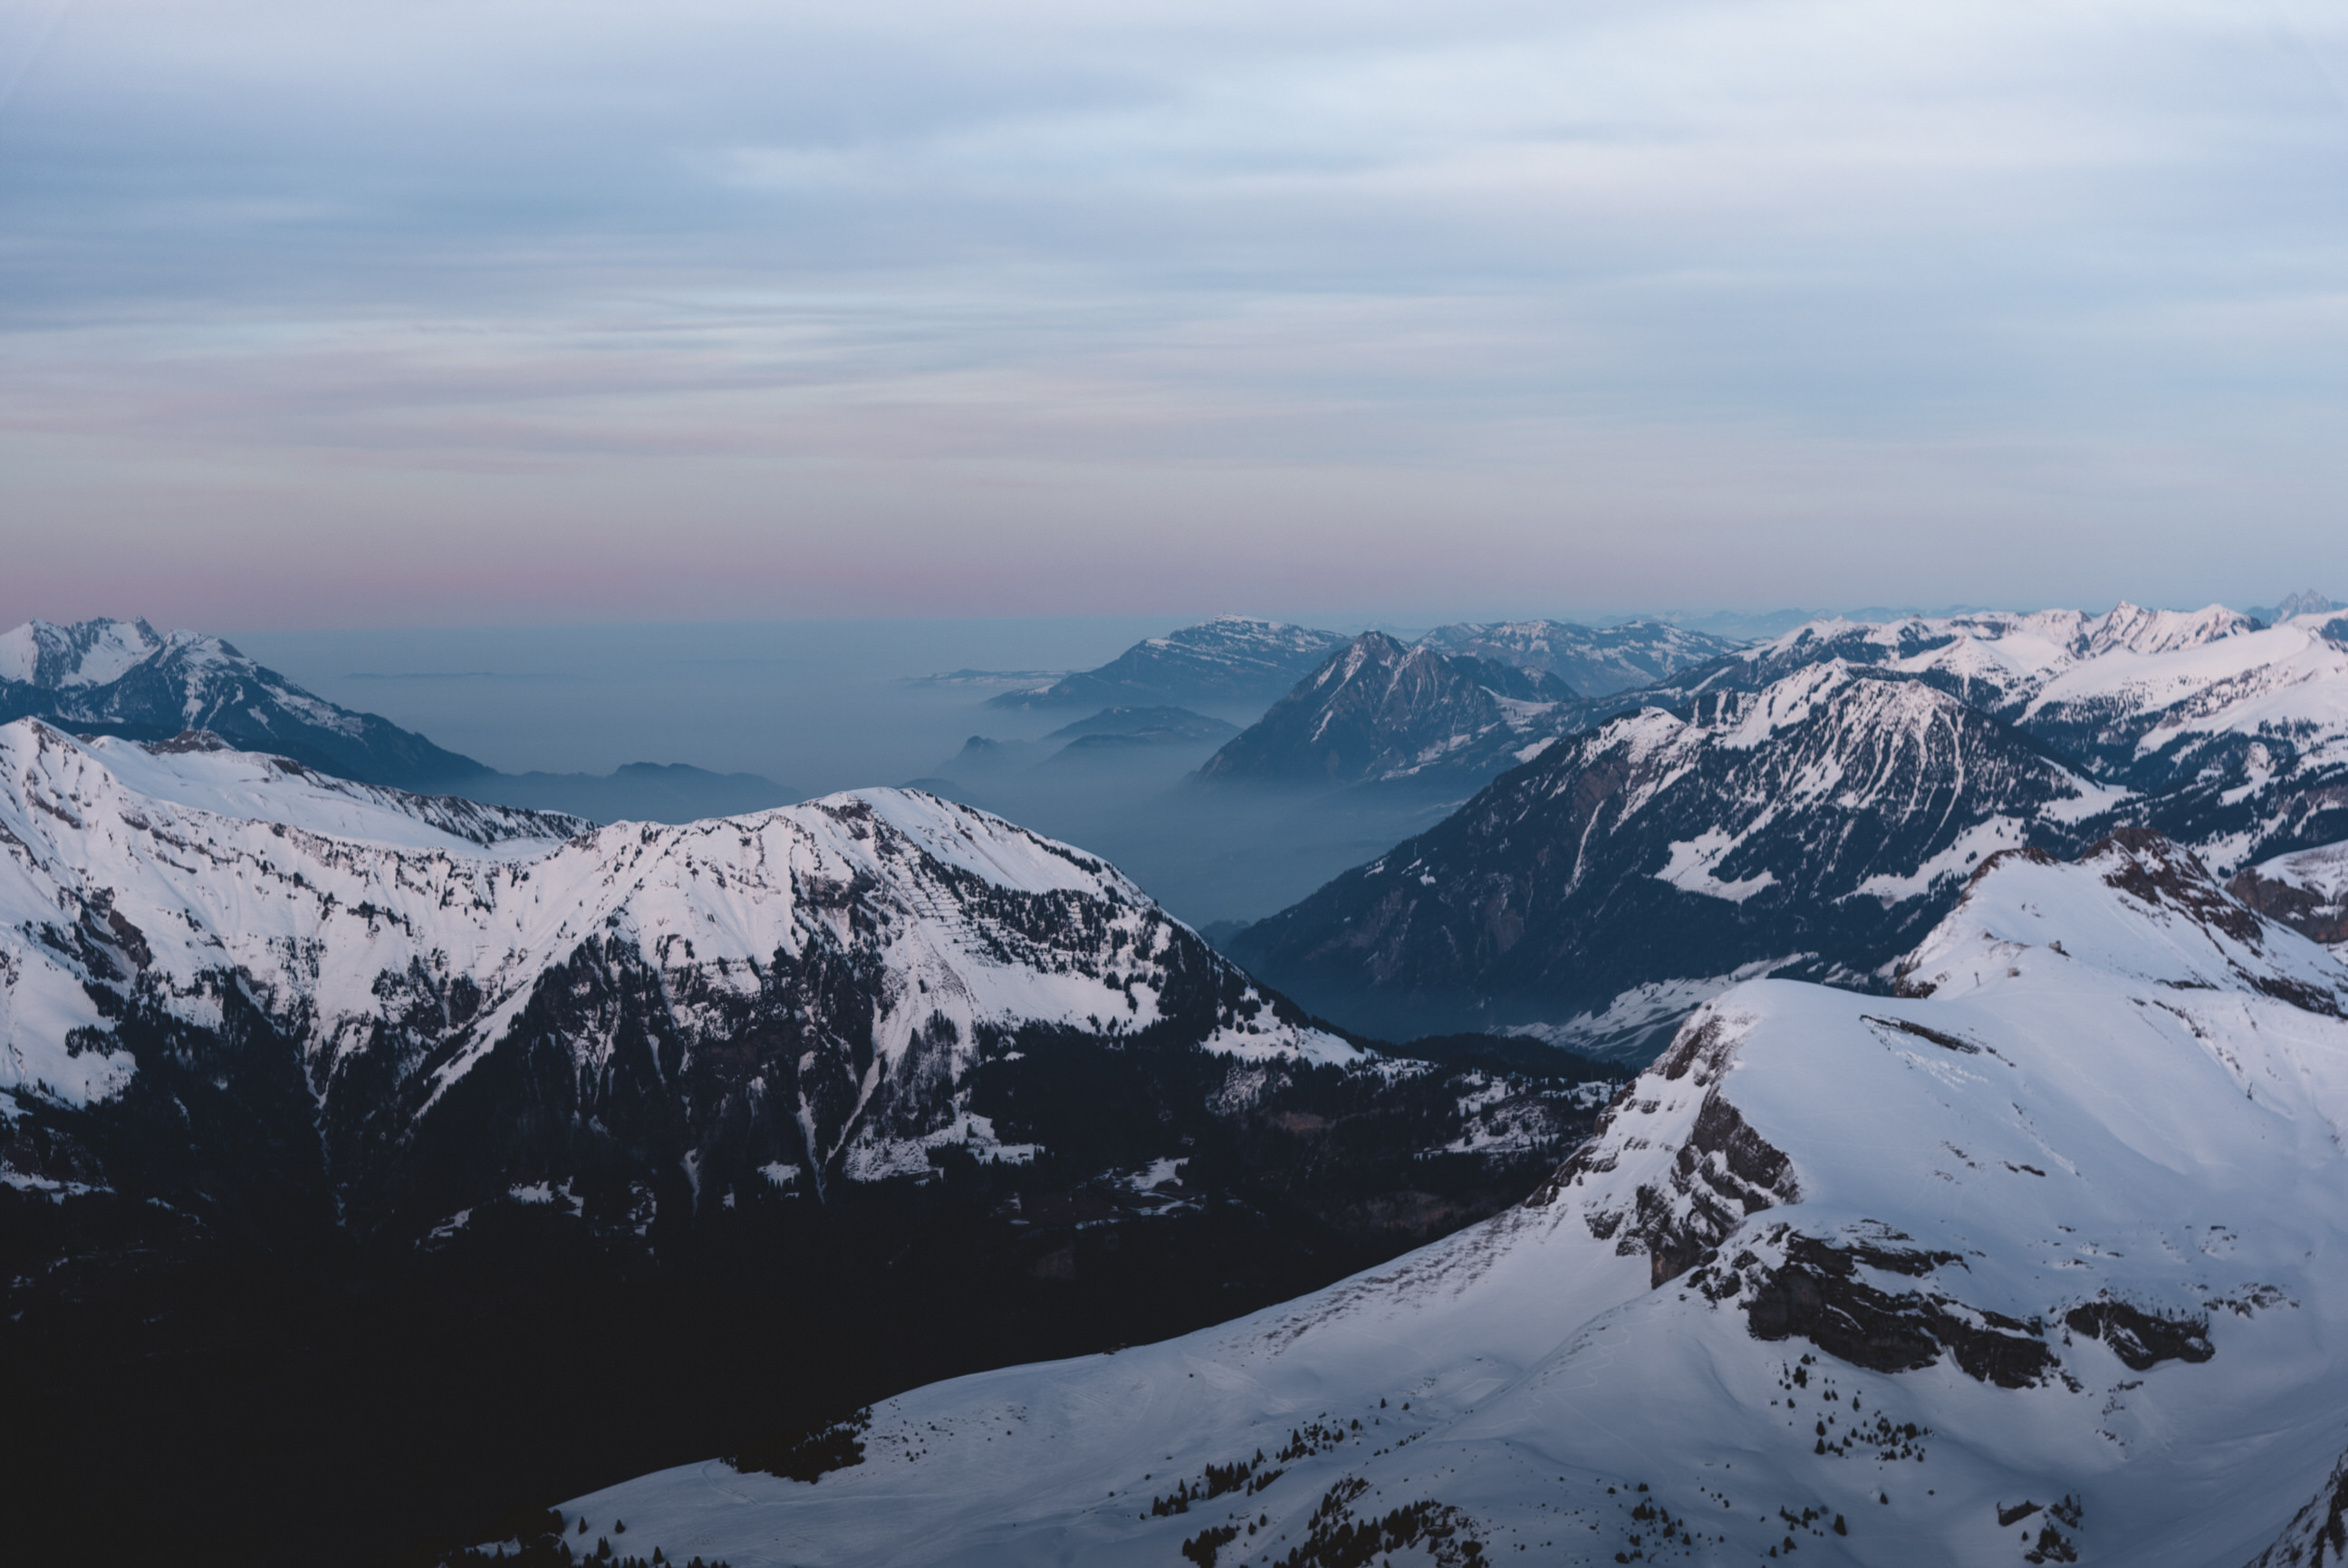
point(1589, 661)
point(426, 1004)
point(123, 677)
point(2222, 733)
point(2147, 698)
point(1817, 825)
point(1379, 712)
point(1998, 660)
point(1230, 663)
point(2037, 1262)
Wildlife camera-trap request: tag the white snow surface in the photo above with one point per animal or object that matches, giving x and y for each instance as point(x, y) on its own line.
point(194, 869)
point(2127, 1117)
point(2018, 653)
point(94, 653)
point(2322, 872)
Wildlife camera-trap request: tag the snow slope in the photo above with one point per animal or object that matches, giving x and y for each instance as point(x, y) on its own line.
point(2046, 1265)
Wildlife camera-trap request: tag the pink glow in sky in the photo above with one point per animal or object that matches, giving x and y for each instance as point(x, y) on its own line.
point(336, 315)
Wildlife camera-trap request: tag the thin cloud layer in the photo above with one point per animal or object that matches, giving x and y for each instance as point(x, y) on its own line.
point(520, 311)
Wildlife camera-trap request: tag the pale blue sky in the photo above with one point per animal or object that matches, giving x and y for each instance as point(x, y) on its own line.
point(339, 314)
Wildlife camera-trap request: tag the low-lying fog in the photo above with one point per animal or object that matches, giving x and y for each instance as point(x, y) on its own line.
point(823, 705)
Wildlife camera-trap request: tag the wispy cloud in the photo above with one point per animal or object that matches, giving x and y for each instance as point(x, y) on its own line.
point(926, 307)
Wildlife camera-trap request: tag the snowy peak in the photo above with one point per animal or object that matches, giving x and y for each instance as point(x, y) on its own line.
point(1993, 659)
point(121, 677)
point(2134, 904)
point(2140, 631)
point(1237, 639)
point(89, 653)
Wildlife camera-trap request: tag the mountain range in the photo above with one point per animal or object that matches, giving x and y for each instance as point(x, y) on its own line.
point(1809, 805)
point(1232, 663)
point(1588, 661)
point(124, 678)
point(2035, 1262)
point(1979, 1203)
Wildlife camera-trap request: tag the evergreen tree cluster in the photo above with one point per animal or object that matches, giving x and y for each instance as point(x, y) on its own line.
point(812, 1454)
point(1336, 1540)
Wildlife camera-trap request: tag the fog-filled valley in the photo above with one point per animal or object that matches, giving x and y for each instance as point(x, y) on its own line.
point(811, 707)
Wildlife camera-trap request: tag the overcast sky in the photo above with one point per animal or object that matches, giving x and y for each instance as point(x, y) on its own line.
point(328, 314)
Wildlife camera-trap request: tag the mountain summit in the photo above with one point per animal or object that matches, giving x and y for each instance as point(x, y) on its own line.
point(123, 677)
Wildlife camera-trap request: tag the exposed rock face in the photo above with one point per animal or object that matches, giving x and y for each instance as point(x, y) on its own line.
point(1818, 1294)
point(2142, 1339)
point(2307, 892)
